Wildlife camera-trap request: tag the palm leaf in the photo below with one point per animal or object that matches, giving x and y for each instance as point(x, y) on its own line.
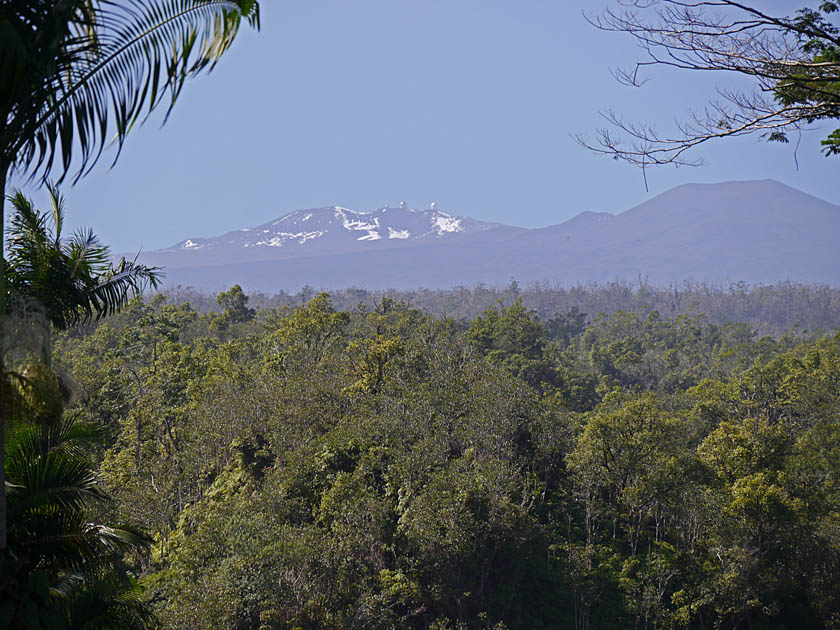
point(64, 542)
point(87, 256)
point(113, 291)
point(58, 477)
point(73, 280)
point(52, 484)
point(56, 213)
point(70, 434)
point(115, 63)
point(110, 602)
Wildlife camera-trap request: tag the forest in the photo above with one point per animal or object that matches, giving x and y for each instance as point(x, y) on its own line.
point(772, 309)
point(594, 457)
point(379, 467)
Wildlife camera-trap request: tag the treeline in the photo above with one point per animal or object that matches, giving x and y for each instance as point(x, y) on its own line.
point(312, 467)
point(769, 309)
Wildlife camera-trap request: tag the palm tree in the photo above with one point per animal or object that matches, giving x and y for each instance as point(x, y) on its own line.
point(76, 72)
point(67, 280)
point(69, 565)
point(72, 279)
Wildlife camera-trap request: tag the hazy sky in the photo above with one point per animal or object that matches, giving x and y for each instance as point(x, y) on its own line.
point(470, 103)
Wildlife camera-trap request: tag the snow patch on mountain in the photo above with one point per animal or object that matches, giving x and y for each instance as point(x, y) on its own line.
point(392, 233)
point(357, 221)
point(445, 223)
point(280, 239)
point(336, 227)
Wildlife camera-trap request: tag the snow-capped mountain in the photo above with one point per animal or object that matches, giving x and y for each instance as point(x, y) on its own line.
point(330, 229)
point(754, 231)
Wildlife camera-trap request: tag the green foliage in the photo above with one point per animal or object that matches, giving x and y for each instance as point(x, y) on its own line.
point(62, 569)
point(779, 309)
point(234, 305)
point(71, 70)
point(514, 338)
point(794, 60)
point(314, 468)
point(309, 331)
point(71, 279)
point(811, 84)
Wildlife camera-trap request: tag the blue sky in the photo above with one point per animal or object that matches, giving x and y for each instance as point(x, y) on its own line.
point(470, 103)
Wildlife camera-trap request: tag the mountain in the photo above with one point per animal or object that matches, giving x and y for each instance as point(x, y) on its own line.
point(321, 231)
point(752, 231)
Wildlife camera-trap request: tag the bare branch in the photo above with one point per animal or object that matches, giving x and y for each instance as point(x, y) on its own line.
point(796, 81)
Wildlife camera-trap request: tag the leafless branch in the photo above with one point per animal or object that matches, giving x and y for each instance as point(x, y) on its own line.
point(793, 87)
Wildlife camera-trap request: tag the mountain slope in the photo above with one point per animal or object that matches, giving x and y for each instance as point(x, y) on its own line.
point(757, 231)
point(321, 231)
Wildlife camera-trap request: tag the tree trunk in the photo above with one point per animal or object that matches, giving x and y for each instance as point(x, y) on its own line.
point(3, 172)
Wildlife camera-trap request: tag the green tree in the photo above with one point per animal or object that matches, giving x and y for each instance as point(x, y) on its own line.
point(321, 469)
point(64, 570)
point(307, 333)
point(515, 338)
point(71, 279)
point(75, 72)
point(234, 305)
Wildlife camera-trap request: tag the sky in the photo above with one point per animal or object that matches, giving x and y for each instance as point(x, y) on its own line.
point(472, 104)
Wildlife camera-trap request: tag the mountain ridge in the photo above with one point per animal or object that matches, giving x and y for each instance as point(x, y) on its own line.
point(325, 230)
point(757, 231)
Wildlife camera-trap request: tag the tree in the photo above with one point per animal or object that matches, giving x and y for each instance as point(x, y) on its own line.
point(54, 549)
point(76, 72)
point(64, 570)
point(71, 279)
point(515, 338)
point(234, 305)
point(794, 61)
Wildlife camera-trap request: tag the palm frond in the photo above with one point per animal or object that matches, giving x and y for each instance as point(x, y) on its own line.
point(70, 434)
point(48, 468)
point(52, 484)
point(56, 213)
point(66, 585)
point(30, 245)
point(111, 602)
point(74, 280)
point(118, 538)
point(87, 256)
point(116, 63)
point(63, 542)
point(124, 281)
point(60, 478)
point(28, 226)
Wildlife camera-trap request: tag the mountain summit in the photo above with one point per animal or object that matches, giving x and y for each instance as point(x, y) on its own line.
point(321, 230)
point(754, 231)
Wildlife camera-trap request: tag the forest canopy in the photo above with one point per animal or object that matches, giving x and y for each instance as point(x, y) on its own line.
point(304, 466)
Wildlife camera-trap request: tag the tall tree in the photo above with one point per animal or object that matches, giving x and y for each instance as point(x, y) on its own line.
point(76, 72)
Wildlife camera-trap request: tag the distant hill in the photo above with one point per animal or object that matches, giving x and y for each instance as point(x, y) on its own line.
point(752, 231)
